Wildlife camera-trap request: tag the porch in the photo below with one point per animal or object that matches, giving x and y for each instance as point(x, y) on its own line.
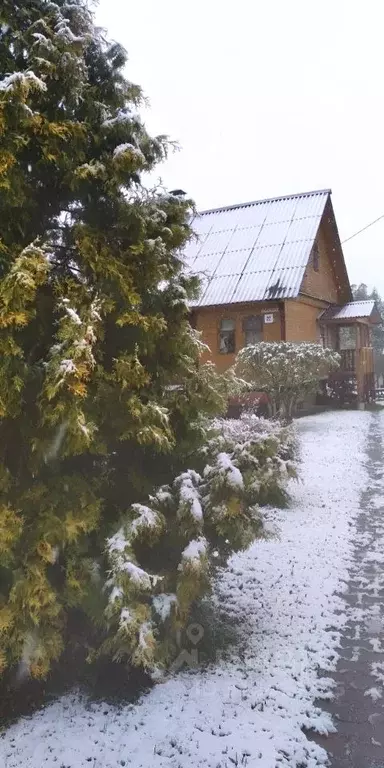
point(348, 331)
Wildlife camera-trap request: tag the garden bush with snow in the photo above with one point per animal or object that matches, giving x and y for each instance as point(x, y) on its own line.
point(203, 514)
point(287, 371)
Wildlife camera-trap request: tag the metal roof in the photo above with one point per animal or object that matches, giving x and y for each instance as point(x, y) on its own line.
point(352, 310)
point(254, 251)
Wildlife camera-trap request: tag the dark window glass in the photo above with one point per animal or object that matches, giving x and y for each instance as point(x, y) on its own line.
point(227, 344)
point(253, 329)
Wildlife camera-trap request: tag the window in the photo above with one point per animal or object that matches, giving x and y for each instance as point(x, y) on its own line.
point(315, 257)
point(347, 337)
point(227, 337)
point(253, 329)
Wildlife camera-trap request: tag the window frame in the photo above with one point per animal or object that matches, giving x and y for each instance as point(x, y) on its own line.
point(346, 330)
point(257, 322)
point(226, 334)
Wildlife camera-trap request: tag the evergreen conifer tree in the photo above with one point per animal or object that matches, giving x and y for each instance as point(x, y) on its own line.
point(102, 397)
point(93, 317)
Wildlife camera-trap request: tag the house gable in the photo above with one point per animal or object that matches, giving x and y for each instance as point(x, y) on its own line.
point(329, 281)
point(319, 279)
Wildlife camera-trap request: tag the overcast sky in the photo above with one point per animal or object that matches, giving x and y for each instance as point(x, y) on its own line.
point(266, 98)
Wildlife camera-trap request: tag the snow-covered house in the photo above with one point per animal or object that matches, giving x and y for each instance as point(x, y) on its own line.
point(274, 270)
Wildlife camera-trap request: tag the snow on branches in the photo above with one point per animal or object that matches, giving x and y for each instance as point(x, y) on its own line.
point(286, 371)
point(85, 415)
point(128, 157)
point(68, 369)
point(245, 464)
point(18, 289)
point(22, 83)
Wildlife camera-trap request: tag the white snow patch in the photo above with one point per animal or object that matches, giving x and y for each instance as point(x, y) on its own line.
point(63, 31)
point(72, 314)
point(377, 502)
point(163, 495)
point(376, 645)
point(189, 493)
point(138, 576)
point(374, 556)
point(146, 518)
point(29, 78)
point(378, 671)
point(67, 367)
point(116, 594)
point(126, 617)
point(163, 604)
point(250, 706)
point(84, 428)
point(374, 693)
point(117, 542)
point(144, 634)
point(193, 551)
point(233, 474)
point(121, 117)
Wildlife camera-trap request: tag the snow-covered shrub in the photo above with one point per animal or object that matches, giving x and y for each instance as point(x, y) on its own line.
point(266, 447)
point(160, 558)
point(286, 371)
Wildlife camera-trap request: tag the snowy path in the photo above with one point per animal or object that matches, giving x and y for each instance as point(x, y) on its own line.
point(358, 707)
point(249, 709)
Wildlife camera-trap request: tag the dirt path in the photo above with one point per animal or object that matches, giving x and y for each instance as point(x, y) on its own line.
point(358, 709)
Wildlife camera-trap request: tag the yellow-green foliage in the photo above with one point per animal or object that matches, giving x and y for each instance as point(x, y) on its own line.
point(245, 464)
point(102, 397)
point(94, 331)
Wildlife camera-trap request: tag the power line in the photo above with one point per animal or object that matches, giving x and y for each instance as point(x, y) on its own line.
point(363, 230)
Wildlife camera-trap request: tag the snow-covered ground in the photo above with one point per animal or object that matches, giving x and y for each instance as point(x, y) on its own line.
point(249, 708)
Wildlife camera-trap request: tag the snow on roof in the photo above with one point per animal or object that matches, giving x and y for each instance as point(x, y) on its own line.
point(255, 251)
point(352, 310)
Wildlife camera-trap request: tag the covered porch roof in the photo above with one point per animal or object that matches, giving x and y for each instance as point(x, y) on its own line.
point(363, 311)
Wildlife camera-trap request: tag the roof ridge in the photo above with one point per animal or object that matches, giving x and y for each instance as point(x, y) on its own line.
point(265, 200)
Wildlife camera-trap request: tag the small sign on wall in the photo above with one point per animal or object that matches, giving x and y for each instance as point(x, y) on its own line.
point(268, 318)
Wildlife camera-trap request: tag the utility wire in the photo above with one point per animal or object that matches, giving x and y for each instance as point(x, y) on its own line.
point(363, 230)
